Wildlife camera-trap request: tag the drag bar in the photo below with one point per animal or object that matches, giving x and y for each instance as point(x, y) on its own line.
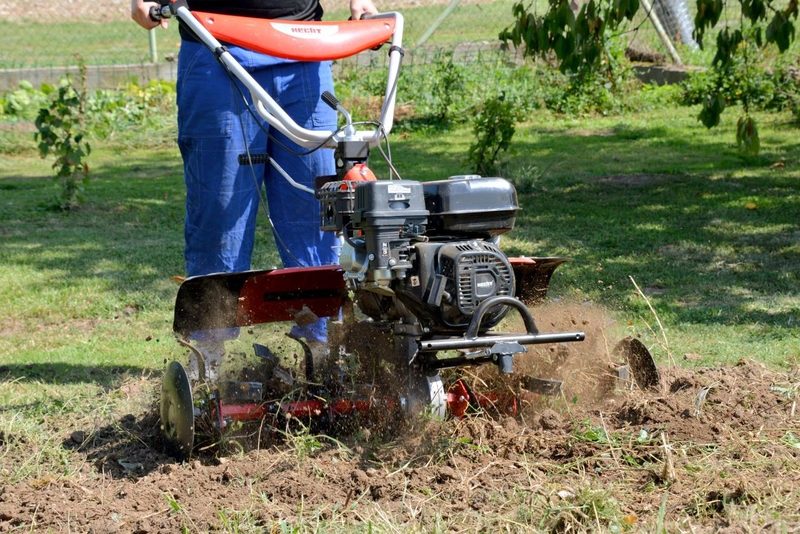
point(433, 345)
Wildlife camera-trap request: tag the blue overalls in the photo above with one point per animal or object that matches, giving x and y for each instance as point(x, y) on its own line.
point(222, 200)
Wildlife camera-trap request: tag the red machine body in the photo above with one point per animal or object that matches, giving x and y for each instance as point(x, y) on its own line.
point(300, 40)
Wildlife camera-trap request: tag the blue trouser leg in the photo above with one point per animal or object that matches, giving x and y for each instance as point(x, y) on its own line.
point(223, 198)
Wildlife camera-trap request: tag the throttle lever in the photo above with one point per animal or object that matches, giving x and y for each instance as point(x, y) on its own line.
point(334, 104)
point(331, 100)
point(157, 13)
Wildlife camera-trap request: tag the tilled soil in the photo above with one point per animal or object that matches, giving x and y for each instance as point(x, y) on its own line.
point(697, 452)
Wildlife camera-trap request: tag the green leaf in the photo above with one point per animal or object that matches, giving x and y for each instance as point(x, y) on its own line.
point(754, 10)
point(747, 136)
point(712, 109)
point(780, 31)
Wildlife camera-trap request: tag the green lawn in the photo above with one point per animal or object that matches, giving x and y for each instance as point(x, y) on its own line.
point(655, 196)
point(49, 44)
point(35, 43)
point(711, 238)
point(122, 41)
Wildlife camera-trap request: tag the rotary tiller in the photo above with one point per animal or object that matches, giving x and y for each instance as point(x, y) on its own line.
point(422, 283)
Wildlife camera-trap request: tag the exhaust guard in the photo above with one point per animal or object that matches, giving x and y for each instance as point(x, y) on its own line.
point(498, 348)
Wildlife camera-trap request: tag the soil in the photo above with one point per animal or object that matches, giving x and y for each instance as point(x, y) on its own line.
point(639, 444)
point(695, 451)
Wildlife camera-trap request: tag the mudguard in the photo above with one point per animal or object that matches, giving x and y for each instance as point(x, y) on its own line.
point(532, 277)
point(227, 300)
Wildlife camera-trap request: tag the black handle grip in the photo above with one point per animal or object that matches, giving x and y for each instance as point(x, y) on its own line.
point(253, 159)
point(165, 9)
point(329, 99)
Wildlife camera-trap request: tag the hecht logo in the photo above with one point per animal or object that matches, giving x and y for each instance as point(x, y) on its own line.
point(305, 31)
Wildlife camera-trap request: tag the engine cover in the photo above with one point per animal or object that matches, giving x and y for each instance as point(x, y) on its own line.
point(450, 280)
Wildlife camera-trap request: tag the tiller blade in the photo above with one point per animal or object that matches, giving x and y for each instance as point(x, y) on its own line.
point(640, 365)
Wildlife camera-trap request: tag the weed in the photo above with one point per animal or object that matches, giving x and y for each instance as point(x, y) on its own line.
point(448, 86)
point(303, 444)
point(469, 443)
point(174, 506)
point(61, 131)
point(525, 177)
point(588, 509)
point(111, 113)
point(25, 101)
point(747, 136)
point(791, 439)
point(493, 128)
point(593, 434)
point(178, 509)
point(238, 522)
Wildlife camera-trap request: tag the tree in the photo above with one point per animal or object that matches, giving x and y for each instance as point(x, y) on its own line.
point(581, 44)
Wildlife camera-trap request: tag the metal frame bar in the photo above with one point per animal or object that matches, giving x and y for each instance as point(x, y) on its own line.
point(433, 345)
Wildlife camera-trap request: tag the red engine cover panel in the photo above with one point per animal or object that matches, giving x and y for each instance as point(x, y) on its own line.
point(229, 300)
point(278, 295)
point(300, 40)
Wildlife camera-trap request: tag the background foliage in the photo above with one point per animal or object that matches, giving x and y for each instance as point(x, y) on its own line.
point(583, 43)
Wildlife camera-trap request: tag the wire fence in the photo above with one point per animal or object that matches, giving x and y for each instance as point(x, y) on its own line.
point(46, 37)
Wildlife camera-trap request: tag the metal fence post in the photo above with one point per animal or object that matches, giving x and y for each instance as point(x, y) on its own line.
point(151, 35)
point(438, 22)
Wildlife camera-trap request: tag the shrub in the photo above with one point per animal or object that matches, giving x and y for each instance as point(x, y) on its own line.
point(61, 131)
point(494, 126)
point(25, 101)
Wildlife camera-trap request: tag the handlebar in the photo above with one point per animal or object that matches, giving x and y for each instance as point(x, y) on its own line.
point(270, 110)
point(156, 13)
point(165, 11)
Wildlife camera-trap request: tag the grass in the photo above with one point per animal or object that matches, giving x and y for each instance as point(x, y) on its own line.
point(120, 41)
point(711, 238)
point(57, 43)
point(123, 42)
point(655, 196)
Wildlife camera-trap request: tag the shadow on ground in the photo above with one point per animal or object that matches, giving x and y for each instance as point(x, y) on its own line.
point(66, 373)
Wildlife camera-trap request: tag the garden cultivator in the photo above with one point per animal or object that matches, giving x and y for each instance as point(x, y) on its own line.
point(422, 283)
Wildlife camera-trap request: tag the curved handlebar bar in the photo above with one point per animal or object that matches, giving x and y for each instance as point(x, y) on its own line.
point(269, 109)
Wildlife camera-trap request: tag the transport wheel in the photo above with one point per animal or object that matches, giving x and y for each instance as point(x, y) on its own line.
point(177, 411)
